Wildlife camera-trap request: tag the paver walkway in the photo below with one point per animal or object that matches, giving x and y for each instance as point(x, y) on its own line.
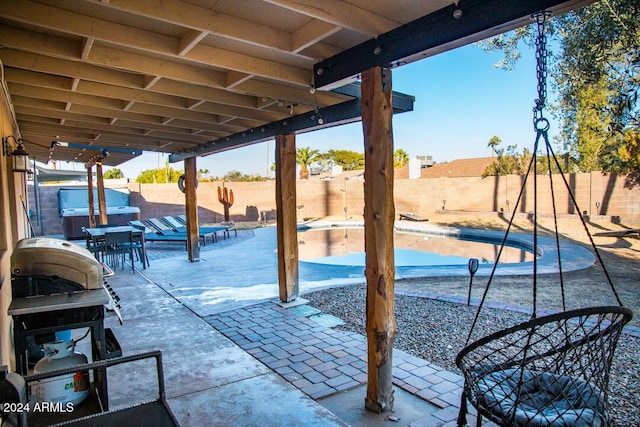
point(321, 361)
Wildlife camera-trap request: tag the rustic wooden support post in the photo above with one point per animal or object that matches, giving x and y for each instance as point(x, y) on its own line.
point(102, 201)
point(288, 273)
point(191, 209)
point(379, 215)
point(92, 217)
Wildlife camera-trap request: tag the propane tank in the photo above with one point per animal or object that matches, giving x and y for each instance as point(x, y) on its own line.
point(70, 388)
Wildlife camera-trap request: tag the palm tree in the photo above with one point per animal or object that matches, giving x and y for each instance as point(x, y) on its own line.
point(304, 157)
point(493, 143)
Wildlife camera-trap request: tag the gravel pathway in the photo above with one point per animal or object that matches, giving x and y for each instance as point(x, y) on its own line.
point(436, 331)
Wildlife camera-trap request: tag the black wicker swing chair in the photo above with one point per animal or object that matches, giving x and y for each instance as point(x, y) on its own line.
point(551, 370)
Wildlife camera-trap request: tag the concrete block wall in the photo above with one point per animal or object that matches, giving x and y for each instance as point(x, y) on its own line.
point(596, 193)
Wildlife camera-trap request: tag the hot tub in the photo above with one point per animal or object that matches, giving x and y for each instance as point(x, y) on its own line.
point(73, 204)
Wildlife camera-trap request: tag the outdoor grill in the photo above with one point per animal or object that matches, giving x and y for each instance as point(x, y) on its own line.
point(57, 285)
point(44, 266)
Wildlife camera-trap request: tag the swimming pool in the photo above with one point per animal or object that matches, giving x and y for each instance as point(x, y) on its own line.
point(345, 246)
point(427, 250)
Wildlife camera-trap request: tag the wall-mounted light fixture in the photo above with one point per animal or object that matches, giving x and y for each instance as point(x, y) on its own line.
point(19, 155)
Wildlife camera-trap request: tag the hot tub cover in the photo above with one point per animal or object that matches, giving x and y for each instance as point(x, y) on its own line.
point(72, 201)
point(111, 210)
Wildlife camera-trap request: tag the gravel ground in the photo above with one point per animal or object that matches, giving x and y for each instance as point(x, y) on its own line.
point(436, 330)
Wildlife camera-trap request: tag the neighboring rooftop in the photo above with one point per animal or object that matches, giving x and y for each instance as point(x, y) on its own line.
point(453, 169)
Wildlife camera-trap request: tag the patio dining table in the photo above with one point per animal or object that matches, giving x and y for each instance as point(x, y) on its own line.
point(97, 235)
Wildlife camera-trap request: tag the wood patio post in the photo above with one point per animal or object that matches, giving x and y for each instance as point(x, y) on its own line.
point(191, 209)
point(92, 217)
point(288, 273)
point(379, 215)
point(102, 201)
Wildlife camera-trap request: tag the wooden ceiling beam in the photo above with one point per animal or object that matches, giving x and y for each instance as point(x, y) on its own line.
point(86, 47)
point(220, 96)
point(116, 139)
point(166, 133)
point(146, 41)
point(189, 40)
point(33, 107)
point(311, 33)
point(139, 63)
point(125, 133)
point(63, 67)
point(106, 96)
point(104, 57)
point(341, 14)
point(64, 96)
point(201, 19)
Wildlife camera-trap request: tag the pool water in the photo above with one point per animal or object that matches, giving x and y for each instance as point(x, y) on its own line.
point(345, 247)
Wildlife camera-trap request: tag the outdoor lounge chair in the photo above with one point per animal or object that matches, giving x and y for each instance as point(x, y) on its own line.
point(634, 232)
point(152, 236)
point(178, 226)
point(164, 230)
point(226, 229)
point(410, 216)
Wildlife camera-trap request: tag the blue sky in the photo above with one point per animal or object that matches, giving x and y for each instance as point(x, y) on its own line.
point(461, 102)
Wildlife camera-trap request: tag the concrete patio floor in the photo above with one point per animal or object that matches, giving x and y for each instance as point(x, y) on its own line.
point(243, 359)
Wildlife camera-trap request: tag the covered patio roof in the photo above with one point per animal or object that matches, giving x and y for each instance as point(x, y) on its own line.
point(196, 77)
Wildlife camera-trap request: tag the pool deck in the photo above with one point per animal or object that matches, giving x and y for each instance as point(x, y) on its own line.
point(233, 355)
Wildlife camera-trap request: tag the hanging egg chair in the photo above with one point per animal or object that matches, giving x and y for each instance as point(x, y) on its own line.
point(551, 370)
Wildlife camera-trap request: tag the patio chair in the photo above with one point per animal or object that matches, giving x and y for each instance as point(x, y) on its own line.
point(96, 247)
point(117, 244)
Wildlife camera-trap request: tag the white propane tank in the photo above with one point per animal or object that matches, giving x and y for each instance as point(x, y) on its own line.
point(72, 388)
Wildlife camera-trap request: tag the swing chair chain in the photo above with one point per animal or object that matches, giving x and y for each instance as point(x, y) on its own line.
point(541, 67)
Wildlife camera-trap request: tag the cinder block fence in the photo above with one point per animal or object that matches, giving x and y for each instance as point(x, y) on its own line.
point(597, 194)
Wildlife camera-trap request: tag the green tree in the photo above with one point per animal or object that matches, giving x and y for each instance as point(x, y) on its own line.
point(511, 162)
point(159, 176)
point(507, 162)
point(493, 143)
point(113, 173)
point(630, 155)
point(591, 122)
point(324, 161)
point(233, 175)
point(305, 156)
point(400, 158)
point(349, 160)
point(236, 176)
point(596, 72)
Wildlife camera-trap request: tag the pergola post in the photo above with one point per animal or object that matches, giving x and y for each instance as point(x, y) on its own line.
point(379, 215)
point(191, 209)
point(92, 217)
point(288, 274)
point(102, 201)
